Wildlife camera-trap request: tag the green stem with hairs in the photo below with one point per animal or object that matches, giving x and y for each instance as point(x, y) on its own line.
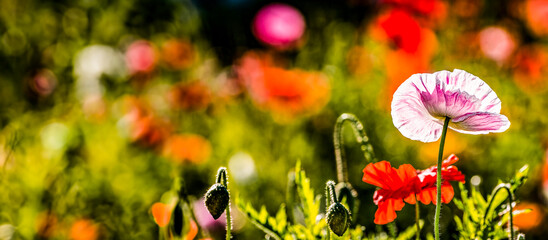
point(510, 201)
point(330, 198)
point(438, 181)
point(361, 138)
point(222, 178)
point(417, 218)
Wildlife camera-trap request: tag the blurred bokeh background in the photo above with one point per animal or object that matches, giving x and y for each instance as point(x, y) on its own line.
point(106, 105)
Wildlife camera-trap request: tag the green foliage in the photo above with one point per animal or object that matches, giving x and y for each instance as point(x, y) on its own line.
point(280, 227)
point(487, 218)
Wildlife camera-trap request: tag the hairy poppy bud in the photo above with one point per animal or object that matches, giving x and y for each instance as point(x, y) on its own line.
point(216, 200)
point(338, 218)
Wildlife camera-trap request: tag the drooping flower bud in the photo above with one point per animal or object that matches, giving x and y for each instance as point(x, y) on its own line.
point(338, 218)
point(216, 200)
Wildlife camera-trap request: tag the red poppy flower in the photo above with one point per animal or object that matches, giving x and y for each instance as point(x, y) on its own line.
point(404, 183)
point(401, 28)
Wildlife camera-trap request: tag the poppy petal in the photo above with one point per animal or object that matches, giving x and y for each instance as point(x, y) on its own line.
point(387, 211)
point(463, 81)
point(450, 160)
point(480, 123)
point(383, 175)
point(161, 213)
point(447, 193)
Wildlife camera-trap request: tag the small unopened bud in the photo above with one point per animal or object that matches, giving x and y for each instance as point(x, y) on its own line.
point(338, 218)
point(521, 236)
point(216, 200)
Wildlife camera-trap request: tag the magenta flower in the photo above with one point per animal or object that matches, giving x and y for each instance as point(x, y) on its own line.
point(279, 25)
point(423, 101)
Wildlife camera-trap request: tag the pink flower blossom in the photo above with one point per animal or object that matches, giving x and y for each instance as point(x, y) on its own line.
point(279, 25)
point(141, 57)
point(424, 100)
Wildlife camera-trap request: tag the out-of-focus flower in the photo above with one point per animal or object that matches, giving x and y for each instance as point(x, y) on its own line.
point(537, 16)
point(91, 63)
point(84, 229)
point(204, 218)
point(149, 131)
point(161, 213)
point(96, 60)
point(529, 220)
point(242, 167)
point(288, 93)
point(141, 57)
point(531, 68)
point(43, 82)
point(141, 126)
point(178, 54)
point(192, 231)
point(431, 13)
point(279, 25)
point(423, 101)
point(400, 64)
point(497, 43)
point(187, 147)
point(407, 184)
point(420, 6)
point(94, 106)
point(7, 231)
point(190, 96)
point(401, 29)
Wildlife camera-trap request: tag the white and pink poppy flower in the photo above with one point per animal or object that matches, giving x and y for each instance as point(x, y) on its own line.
point(421, 104)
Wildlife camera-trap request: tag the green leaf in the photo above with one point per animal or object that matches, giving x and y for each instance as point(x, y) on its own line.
point(261, 219)
point(310, 203)
point(410, 232)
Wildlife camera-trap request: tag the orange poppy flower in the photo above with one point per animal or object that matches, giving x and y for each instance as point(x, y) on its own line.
point(287, 93)
point(404, 183)
point(84, 229)
point(193, 231)
point(178, 54)
point(530, 220)
point(161, 213)
point(187, 147)
point(536, 14)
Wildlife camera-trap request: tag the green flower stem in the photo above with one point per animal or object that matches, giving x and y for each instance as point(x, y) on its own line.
point(222, 178)
point(228, 222)
point(438, 181)
point(330, 198)
point(361, 138)
point(510, 201)
point(417, 218)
